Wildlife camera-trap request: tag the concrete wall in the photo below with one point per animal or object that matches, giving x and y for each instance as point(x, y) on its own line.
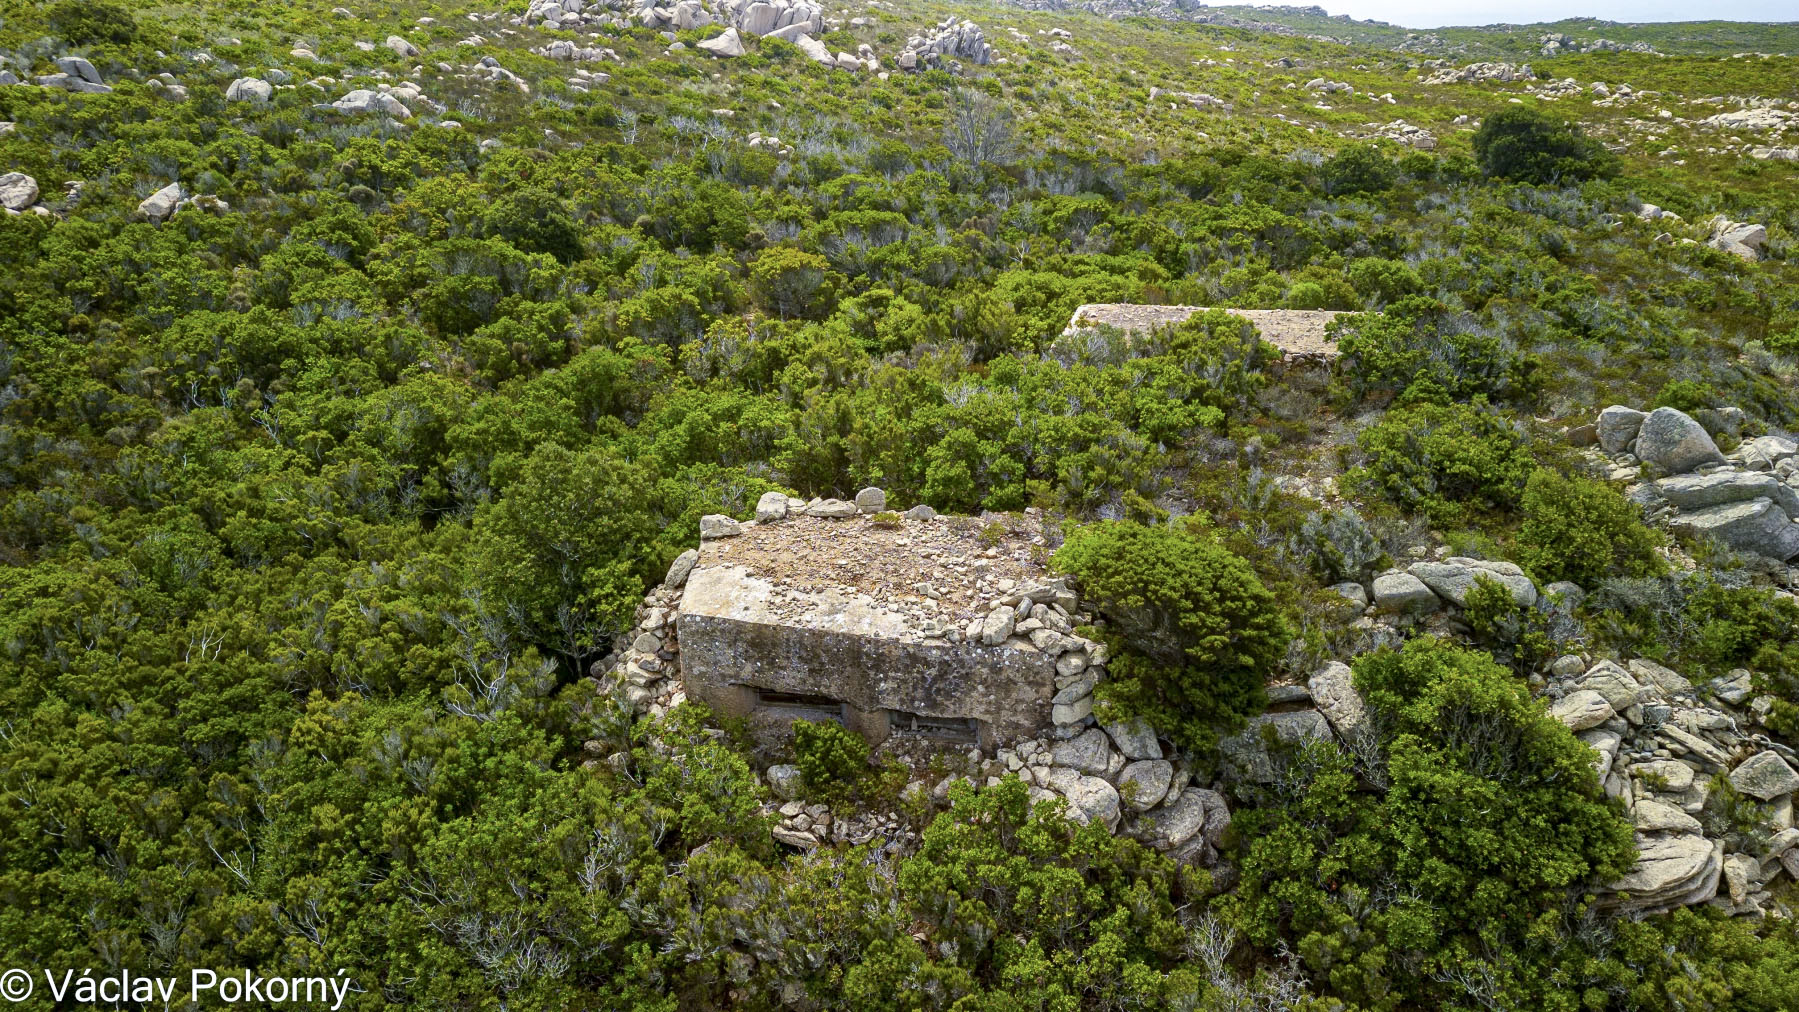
point(737, 634)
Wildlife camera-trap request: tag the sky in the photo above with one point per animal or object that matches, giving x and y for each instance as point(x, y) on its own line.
point(1437, 13)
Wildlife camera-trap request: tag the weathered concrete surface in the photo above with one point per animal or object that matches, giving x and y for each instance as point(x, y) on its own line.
point(1293, 331)
point(792, 625)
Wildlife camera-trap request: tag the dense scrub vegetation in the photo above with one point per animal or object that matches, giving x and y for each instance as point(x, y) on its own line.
point(315, 513)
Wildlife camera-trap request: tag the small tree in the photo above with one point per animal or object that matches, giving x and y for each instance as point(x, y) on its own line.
point(828, 754)
point(791, 282)
point(1533, 147)
point(1582, 530)
point(1193, 631)
point(979, 128)
point(1359, 168)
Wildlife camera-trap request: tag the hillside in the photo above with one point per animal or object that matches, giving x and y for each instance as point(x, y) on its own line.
point(775, 505)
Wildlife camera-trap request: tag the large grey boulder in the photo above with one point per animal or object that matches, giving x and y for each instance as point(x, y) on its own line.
point(1672, 441)
point(1092, 799)
point(1765, 776)
point(1739, 238)
point(402, 48)
point(1697, 491)
point(249, 89)
point(1665, 680)
point(75, 66)
point(1670, 775)
point(1454, 578)
point(871, 500)
point(760, 18)
point(1145, 783)
point(818, 51)
point(1617, 427)
point(1404, 594)
point(785, 782)
point(771, 506)
point(1582, 709)
point(1247, 753)
point(159, 205)
point(1333, 689)
point(1089, 752)
point(1660, 817)
point(1672, 870)
point(1759, 526)
point(17, 191)
point(716, 525)
point(1176, 822)
point(1614, 684)
point(680, 569)
point(1135, 740)
point(1763, 453)
point(364, 100)
point(727, 44)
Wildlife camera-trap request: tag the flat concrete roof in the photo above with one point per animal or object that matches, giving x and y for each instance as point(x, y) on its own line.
point(1293, 331)
point(855, 575)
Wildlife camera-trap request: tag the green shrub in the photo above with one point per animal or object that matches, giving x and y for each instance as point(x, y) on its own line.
point(85, 23)
point(1192, 630)
point(1458, 841)
point(1582, 530)
point(1415, 352)
point(1511, 631)
point(828, 754)
point(1530, 146)
point(1687, 395)
point(1444, 461)
point(1359, 168)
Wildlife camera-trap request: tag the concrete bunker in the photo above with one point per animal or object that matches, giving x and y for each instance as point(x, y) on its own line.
point(921, 628)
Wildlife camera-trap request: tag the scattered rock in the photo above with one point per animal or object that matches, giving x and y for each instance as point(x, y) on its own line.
point(159, 205)
point(1759, 526)
point(17, 191)
point(249, 89)
point(1671, 440)
point(680, 569)
point(727, 45)
point(1333, 688)
point(1135, 740)
point(1765, 776)
point(716, 525)
point(871, 500)
point(1145, 783)
point(785, 782)
point(1403, 593)
point(1088, 752)
point(1453, 578)
point(1582, 709)
point(1617, 428)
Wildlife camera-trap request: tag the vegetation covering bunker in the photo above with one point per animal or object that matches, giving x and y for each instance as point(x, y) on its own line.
point(882, 622)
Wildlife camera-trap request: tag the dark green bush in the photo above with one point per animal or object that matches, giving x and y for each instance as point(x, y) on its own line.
point(1530, 146)
point(1359, 168)
point(85, 23)
point(1192, 630)
point(1414, 350)
point(1444, 461)
point(1582, 530)
point(1454, 843)
point(828, 754)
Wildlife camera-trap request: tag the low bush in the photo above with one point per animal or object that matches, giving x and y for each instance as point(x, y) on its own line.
point(1582, 530)
point(1192, 630)
point(1444, 461)
point(828, 754)
point(1531, 146)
